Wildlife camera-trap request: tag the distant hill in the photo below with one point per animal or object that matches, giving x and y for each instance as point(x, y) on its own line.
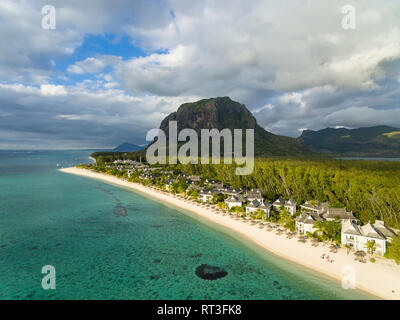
point(378, 141)
point(127, 147)
point(221, 113)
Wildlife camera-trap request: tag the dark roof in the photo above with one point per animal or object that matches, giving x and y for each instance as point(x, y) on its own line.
point(253, 204)
point(341, 213)
point(254, 194)
point(368, 230)
point(307, 217)
point(320, 206)
point(279, 201)
point(387, 232)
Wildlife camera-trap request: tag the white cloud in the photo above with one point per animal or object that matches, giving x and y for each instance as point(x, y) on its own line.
point(364, 116)
point(87, 116)
point(52, 90)
point(93, 64)
point(259, 46)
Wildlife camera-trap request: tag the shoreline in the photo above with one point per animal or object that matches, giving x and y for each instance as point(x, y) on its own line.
point(380, 286)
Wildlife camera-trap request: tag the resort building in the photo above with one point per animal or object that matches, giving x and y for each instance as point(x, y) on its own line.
point(195, 187)
point(328, 213)
point(205, 195)
point(168, 184)
point(233, 201)
point(255, 195)
point(215, 184)
point(357, 237)
point(229, 191)
point(255, 205)
point(290, 205)
point(315, 206)
point(341, 214)
point(146, 176)
point(387, 232)
point(306, 220)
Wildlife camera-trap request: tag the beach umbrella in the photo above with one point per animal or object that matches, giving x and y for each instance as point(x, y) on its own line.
point(360, 254)
point(333, 248)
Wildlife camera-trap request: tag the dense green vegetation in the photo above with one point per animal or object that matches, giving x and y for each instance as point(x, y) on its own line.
point(393, 250)
point(328, 230)
point(109, 156)
point(371, 189)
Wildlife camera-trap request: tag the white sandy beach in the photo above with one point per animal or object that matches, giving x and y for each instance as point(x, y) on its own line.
point(381, 279)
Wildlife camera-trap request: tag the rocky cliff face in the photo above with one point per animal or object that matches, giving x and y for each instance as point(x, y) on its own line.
point(218, 113)
point(221, 113)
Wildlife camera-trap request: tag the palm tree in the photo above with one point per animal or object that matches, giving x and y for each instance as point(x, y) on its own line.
point(371, 247)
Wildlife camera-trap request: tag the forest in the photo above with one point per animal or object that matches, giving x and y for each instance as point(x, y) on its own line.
point(371, 189)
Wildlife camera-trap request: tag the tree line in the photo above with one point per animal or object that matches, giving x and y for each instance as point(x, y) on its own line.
point(371, 189)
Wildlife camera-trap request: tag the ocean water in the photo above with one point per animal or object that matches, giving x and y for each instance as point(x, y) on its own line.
point(107, 242)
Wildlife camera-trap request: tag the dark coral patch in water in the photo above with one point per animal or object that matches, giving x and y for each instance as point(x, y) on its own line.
point(120, 211)
point(207, 272)
point(277, 285)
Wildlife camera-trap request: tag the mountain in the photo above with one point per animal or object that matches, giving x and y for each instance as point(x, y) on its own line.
point(378, 141)
point(221, 113)
point(127, 147)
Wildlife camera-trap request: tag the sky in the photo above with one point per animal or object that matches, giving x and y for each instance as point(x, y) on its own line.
point(112, 70)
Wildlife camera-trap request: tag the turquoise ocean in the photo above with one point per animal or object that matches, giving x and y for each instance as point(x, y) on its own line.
point(107, 242)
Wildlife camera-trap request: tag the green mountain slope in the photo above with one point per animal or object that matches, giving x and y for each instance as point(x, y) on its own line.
point(127, 147)
point(378, 141)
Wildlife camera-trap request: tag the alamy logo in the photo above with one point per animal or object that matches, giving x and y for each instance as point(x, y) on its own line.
point(49, 280)
point(349, 277)
point(349, 20)
point(48, 17)
point(188, 152)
